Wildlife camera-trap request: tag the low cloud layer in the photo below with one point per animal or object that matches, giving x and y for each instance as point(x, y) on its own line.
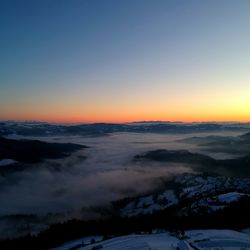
point(106, 175)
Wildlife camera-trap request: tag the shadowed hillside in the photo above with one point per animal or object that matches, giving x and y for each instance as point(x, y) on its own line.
point(31, 151)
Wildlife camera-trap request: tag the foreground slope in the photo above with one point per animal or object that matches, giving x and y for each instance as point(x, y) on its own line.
point(188, 240)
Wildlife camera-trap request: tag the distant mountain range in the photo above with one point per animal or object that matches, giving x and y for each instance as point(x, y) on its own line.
point(99, 129)
point(226, 144)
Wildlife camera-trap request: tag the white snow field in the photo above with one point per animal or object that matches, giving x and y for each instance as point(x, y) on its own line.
point(216, 239)
point(192, 240)
point(159, 241)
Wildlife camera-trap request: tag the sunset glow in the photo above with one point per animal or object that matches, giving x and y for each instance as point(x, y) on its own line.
point(94, 61)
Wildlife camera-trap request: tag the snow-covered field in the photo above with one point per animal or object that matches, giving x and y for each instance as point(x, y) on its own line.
point(214, 239)
point(193, 239)
point(162, 241)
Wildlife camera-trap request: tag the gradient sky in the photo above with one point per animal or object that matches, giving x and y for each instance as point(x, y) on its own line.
point(124, 60)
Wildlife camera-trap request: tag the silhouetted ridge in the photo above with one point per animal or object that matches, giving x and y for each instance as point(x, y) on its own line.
point(175, 156)
point(232, 167)
point(29, 151)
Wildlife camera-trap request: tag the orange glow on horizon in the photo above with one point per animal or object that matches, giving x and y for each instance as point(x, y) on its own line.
point(202, 109)
point(124, 119)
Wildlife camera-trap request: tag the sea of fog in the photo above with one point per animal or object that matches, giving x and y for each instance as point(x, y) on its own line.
point(107, 174)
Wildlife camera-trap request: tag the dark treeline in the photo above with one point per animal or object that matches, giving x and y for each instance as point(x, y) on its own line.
point(235, 217)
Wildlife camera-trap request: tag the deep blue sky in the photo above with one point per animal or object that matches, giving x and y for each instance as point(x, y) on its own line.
point(124, 60)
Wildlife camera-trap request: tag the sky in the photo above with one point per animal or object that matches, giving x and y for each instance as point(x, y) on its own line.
point(125, 60)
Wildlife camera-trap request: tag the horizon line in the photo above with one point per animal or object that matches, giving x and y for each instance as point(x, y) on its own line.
point(121, 122)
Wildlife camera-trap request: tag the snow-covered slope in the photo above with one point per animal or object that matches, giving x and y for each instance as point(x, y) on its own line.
point(161, 241)
point(189, 240)
point(150, 204)
point(202, 193)
point(216, 239)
